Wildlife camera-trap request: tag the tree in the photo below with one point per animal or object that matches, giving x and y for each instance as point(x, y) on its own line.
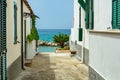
point(61, 39)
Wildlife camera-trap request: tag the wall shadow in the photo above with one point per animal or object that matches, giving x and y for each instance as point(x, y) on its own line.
point(41, 68)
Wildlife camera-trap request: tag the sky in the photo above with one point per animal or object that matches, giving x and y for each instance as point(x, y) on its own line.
point(54, 14)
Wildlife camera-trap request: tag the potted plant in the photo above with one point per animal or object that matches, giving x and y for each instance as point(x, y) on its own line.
point(73, 52)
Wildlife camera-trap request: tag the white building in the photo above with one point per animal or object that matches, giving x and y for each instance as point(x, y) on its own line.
point(100, 21)
point(29, 47)
point(79, 34)
point(11, 37)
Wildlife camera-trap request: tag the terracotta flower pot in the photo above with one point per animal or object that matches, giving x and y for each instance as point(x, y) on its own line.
point(28, 64)
point(73, 52)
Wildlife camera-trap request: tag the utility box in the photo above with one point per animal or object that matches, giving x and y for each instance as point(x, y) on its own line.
point(80, 34)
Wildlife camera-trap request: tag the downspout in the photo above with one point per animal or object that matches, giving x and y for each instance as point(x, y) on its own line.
point(83, 43)
point(89, 6)
point(82, 35)
point(86, 27)
point(83, 5)
point(22, 56)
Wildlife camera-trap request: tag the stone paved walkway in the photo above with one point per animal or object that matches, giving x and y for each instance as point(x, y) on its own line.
point(55, 66)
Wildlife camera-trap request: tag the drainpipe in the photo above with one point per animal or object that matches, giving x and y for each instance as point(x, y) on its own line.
point(83, 43)
point(22, 56)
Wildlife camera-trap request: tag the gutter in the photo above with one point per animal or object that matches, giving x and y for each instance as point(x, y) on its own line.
point(22, 56)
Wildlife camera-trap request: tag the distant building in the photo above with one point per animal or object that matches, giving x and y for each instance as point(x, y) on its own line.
point(95, 37)
point(29, 47)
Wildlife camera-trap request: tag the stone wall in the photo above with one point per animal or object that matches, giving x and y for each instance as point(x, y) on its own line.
point(14, 70)
point(93, 75)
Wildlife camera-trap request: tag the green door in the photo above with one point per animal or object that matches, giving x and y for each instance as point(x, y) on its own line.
point(3, 49)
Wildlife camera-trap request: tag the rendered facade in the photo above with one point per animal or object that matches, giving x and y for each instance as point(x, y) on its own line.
point(97, 44)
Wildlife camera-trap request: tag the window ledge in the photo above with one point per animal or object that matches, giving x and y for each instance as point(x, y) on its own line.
point(109, 31)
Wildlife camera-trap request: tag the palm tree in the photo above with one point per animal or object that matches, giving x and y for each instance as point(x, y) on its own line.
point(61, 39)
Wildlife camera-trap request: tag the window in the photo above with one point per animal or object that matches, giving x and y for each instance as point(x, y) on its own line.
point(89, 16)
point(15, 23)
point(116, 14)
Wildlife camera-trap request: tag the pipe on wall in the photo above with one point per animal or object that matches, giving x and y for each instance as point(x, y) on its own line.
point(22, 56)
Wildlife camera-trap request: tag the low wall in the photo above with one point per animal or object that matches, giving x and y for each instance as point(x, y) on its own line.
point(104, 55)
point(78, 49)
point(31, 49)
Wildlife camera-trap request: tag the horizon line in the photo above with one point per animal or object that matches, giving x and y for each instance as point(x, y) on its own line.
point(45, 28)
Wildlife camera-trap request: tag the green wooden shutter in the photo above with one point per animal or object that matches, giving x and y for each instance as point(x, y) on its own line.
point(83, 4)
point(89, 15)
point(15, 23)
point(3, 49)
point(80, 17)
point(116, 14)
point(25, 42)
point(80, 34)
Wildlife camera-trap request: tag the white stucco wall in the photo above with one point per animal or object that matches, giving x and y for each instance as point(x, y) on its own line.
point(74, 30)
point(31, 49)
point(13, 50)
point(28, 24)
point(102, 14)
point(82, 18)
point(31, 46)
point(105, 54)
point(86, 39)
point(76, 14)
point(74, 34)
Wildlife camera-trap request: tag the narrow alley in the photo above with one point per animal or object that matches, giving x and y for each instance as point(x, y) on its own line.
point(55, 66)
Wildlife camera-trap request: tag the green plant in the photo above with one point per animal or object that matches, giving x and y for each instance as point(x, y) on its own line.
point(30, 38)
point(33, 21)
point(61, 39)
point(34, 33)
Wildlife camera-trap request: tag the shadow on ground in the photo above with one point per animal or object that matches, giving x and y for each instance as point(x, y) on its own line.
point(39, 70)
point(51, 66)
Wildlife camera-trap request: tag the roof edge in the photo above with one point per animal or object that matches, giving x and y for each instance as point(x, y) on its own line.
point(28, 6)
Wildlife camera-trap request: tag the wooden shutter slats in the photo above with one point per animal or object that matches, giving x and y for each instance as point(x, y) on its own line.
point(116, 14)
point(3, 50)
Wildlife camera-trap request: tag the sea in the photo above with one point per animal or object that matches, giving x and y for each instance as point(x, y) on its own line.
point(47, 35)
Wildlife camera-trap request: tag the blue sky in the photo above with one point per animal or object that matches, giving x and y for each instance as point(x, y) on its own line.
point(54, 14)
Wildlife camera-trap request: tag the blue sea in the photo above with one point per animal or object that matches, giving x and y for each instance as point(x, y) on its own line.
point(47, 35)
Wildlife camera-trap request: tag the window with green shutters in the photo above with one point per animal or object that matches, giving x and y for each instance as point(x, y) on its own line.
point(15, 23)
point(3, 50)
point(80, 17)
point(115, 14)
point(89, 15)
